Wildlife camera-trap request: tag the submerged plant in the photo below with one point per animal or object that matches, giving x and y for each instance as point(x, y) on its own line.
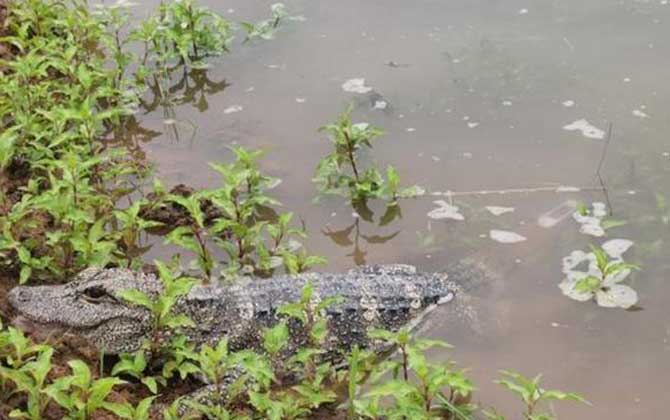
point(606, 269)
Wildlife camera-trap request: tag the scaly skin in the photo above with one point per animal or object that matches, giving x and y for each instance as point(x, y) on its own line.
point(387, 297)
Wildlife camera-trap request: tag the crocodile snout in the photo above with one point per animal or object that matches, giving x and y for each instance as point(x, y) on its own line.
point(18, 297)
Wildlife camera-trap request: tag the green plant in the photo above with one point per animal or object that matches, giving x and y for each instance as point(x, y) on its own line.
point(435, 390)
point(193, 236)
point(81, 395)
point(241, 220)
point(161, 307)
point(341, 172)
point(134, 365)
point(130, 225)
point(532, 395)
point(266, 29)
point(185, 32)
point(601, 281)
point(30, 378)
point(129, 412)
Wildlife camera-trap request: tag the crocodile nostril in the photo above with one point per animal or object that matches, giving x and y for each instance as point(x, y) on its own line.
point(20, 295)
point(23, 296)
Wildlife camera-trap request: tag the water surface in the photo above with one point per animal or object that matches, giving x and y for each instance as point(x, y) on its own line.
point(478, 93)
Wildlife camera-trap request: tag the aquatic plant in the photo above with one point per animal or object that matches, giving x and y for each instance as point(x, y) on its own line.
point(341, 172)
point(606, 270)
point(594, 220)
point(181, 32)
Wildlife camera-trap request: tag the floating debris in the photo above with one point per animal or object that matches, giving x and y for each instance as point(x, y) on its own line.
point(587, 129)
point(411, 130)
point(507, 103)
point(523, 11)
point(568, 104)
point(567, 188)
point(473, 124)
point(300, 100)
point(506, 237)
point(591, 219)
point(233, 109)
point(445, 211)
point(640, 114)
point(557, 214)
point(380, 105)
point(615, 248)
point(497, 210)
point(356, 85)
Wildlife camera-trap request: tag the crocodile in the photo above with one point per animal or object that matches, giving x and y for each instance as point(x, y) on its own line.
point(381, 296)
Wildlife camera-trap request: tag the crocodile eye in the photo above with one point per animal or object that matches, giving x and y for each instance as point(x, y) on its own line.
point(95, 294)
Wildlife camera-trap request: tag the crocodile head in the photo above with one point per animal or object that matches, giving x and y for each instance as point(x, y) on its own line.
point(91, 307)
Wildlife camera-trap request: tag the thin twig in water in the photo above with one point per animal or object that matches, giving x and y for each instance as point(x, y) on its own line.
point(557, 189)
point(603, 156)
point(605, 148)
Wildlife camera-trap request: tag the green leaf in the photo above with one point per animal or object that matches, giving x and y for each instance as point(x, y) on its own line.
point(612, 223)
point(275, 338)
point(137, 297)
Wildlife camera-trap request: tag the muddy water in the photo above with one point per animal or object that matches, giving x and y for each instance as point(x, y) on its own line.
point(478, 93)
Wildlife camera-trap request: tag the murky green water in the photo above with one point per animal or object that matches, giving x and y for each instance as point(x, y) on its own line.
point(478, 93)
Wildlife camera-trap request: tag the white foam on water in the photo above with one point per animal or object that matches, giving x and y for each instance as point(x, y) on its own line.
point(567, 188)
point(445, 211)
point(568, 104)
point(506, 237)
point(380, 105)
point(640, 114)
point(233, 109)
point(588, 130)
point(615, 248)
point(356, 85)
point(498, 210)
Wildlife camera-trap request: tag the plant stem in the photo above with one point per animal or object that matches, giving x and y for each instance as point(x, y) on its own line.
point(350, 151)
point(404, 363)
